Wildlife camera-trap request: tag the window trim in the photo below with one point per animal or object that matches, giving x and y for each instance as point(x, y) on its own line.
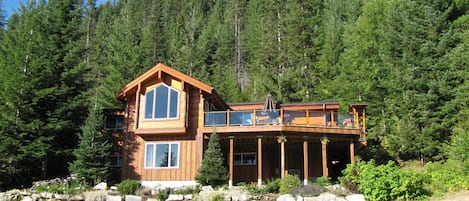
point(168, 106)
point(169, 155)
point(242, 156)
point(116, 118)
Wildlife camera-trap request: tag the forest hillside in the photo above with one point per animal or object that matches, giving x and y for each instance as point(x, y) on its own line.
point(408, 59)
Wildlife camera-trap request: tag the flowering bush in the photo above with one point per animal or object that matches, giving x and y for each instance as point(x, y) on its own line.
point(347, 120)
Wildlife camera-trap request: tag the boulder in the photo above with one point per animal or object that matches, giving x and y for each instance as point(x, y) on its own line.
point(133, 198)
point(286, 197)
point(61, 197)
point(175, 197)
point(77, 198)
point(46, 195)
point(100, 186)
point(207, 188)
point(95, 195)
point(113, 198)
point(188, 197)
point(329, 197)
point(355, 197)
point(27, 198)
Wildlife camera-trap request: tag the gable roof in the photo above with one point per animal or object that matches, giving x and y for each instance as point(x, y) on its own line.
point(157, 70)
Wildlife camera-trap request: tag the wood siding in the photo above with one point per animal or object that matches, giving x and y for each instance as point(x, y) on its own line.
point(190, 150)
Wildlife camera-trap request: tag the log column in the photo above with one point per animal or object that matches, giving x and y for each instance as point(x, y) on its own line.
point(352, 152)
point(305, 160)
point(230, 181)
point(282, 139)
point(259, 160)
point(325, 170)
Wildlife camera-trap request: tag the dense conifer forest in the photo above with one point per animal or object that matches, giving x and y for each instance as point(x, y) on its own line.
point(408, 59)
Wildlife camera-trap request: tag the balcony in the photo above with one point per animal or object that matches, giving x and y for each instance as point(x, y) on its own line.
point(281, 120)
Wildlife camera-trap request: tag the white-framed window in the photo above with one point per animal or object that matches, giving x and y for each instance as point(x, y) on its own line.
point(161, 155)
point(114, 123)
point(161, 103)
point(245, 158)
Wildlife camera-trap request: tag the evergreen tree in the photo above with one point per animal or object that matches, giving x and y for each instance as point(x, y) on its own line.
point(212, 172)
point(93, 150)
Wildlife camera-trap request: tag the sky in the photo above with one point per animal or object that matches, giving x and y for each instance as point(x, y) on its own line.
point(11, 6)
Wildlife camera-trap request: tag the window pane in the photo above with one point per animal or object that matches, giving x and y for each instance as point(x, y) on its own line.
point(149, 104)
point(173, 107)
point(119, 123)
point(237, 159)
point(162, 153)
point(174, 155)
point(149, 156)
point(110, 123)
point(161, 107)
point(249, 159)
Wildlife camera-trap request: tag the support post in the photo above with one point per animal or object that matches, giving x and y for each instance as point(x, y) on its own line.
point(282, 158)
point(259, 160)
point(137, 103)
point(352, 152)
point(325, 170)
point(230, 181)
point(305, 160)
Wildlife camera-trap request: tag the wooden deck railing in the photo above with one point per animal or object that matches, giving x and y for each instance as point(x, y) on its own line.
point(306, 118)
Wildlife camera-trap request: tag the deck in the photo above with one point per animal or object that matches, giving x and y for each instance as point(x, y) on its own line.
point(306, 121)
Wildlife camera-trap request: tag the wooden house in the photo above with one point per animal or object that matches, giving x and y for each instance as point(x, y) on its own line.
point(169, 117)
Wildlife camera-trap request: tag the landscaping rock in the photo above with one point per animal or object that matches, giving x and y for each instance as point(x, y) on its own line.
point(286, 197)
point(101, 186)
point(114, 198)
point(95, 195)
point(46, 195)
point(133, 198)
point(77, 198)
point(175, 197)
point(355, 197)
point(329, 197)
point(27, 198)
point(207, 188)
point(35, 196)
point(61, 197)
point(188, 197)
point(14, 194)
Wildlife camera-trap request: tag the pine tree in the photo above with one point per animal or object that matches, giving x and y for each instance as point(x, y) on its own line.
point(93, 149)
point(212, 172)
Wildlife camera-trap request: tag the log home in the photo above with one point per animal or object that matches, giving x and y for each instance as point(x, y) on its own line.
point(169, 117)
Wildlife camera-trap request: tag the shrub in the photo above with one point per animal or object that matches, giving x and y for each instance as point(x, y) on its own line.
point(251, 187)
point(128, 186)
point(272, 186)
point(187, 190)
point(323, 181)
point(288, 183)
point(309, 190)
point(447, 177)
point(162, 195)
point(69, 187)
point(217, 198)
point(384, 182)
point(212, 172)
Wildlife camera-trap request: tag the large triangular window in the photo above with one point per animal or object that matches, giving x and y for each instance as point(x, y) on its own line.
point(161, 103)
